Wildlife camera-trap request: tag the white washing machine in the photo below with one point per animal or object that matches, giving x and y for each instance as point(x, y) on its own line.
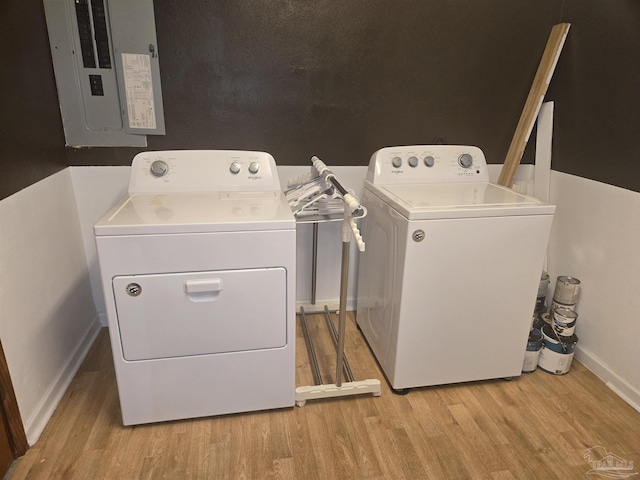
point(448, 282)
point(198, 271)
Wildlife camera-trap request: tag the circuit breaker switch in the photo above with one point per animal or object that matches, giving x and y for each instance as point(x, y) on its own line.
point(95, 82)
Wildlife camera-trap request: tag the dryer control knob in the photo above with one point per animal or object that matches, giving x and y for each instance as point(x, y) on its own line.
point(465, 160)
point(413, 162)
point(254, 167)
point(159, 168)
point(396, 162)
point(235, 168)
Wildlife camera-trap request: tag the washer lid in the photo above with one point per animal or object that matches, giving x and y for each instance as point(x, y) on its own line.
point(458, 200)
point(148, 213)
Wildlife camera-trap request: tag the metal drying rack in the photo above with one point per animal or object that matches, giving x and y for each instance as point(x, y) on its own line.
point(319, 198)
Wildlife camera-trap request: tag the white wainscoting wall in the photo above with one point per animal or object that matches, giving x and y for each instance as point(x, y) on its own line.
point(47, 315)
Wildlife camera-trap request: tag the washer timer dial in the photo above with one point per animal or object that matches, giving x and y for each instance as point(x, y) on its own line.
point(159, 168)
point(465, 160)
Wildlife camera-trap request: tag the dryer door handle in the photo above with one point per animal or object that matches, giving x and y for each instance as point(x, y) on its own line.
point(212, 285)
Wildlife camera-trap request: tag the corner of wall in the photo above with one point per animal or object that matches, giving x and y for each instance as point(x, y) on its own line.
point(36, 423)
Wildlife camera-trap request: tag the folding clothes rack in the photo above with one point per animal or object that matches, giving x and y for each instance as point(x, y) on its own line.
point(318, 198)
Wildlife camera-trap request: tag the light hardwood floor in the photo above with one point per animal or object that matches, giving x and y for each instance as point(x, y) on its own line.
point(537, 426)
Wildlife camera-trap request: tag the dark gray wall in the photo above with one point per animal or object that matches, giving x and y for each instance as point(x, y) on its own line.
point(596, 90)
point(31, 135)
point(342, 79)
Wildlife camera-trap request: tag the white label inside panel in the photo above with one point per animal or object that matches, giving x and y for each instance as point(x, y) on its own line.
point(138, 87)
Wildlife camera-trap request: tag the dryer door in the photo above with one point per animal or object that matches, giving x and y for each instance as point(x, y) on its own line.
point(184, 314)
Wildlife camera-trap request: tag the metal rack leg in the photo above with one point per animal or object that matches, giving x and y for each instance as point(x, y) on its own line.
point(343, 311)
point(334, 337)
point(314, 264)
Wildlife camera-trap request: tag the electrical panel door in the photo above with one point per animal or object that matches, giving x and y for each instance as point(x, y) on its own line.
point(105, 59)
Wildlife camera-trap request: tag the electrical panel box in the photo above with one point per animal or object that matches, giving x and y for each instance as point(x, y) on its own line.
point(105, 59)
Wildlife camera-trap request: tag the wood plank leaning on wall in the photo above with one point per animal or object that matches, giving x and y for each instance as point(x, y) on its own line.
point(534, 101)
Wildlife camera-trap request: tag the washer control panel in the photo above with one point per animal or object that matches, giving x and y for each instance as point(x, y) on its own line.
point(203, 171)
point(428, 164)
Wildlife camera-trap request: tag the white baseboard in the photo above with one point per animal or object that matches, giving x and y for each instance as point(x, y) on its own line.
point(620, 387)
point(35, 425)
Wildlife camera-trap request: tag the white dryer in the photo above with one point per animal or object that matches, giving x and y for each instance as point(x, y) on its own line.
point(448, 282)
point(198, 270)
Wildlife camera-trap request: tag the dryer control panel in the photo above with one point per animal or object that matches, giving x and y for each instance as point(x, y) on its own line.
point(427, 164)
point(176, 171)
